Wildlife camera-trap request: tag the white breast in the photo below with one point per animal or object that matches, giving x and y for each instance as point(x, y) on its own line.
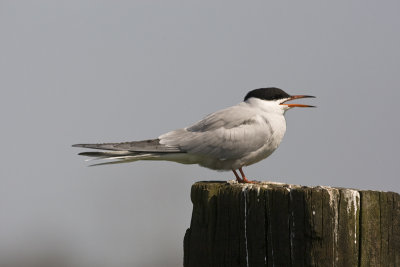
point(278, 126)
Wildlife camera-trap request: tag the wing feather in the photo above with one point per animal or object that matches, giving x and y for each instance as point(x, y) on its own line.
point(228, 134)
point(152, 145)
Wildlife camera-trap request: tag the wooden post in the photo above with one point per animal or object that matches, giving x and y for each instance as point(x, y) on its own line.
point(271, 224)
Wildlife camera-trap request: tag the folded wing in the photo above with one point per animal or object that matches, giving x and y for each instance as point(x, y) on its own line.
point(228, 134)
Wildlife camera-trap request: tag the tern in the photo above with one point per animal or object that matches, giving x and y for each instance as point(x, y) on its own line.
point(226, 140)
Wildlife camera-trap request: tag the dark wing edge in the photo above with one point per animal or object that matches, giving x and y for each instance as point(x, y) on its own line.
point(151, 145)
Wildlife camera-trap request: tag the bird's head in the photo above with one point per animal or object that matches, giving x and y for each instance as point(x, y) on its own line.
point(275, 98)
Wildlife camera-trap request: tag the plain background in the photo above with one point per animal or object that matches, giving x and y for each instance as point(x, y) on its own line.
point(98, 71)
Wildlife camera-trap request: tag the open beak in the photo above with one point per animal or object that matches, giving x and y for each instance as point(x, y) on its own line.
point(298, 105)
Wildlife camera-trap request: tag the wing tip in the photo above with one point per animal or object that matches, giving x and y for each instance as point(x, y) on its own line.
point(78, 145)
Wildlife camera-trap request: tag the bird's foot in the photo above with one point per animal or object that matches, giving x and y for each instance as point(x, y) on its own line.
point(245, 181)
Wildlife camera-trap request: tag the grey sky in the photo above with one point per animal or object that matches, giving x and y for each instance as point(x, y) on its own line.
point(97, 71)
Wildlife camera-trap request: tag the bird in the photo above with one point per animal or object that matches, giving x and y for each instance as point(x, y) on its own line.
point(226, 140)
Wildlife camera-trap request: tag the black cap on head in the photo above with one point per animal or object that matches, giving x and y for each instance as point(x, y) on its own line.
point(270, 93)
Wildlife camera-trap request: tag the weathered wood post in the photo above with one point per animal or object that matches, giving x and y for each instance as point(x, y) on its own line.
point(281, 225)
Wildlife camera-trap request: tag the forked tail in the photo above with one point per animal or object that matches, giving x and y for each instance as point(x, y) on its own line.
point(128, 151)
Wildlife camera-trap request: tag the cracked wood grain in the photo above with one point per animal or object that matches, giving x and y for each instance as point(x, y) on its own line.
point(271, 224)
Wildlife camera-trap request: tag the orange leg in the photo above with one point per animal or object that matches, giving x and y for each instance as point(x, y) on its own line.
point(244, 179)
point(237, 177)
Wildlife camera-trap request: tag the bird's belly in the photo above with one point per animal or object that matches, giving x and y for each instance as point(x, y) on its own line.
point(265, 151)
point(258, 155)
point(245, 160)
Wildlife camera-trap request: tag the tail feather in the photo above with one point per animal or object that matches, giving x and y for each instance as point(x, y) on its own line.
point(152, 145)
point(111, 162)
point(118, 156)
point(128, 151)
point(105, 154)
point(122, 159)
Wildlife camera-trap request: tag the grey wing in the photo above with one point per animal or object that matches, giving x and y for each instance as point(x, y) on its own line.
point(152, 145)
point(227, 134)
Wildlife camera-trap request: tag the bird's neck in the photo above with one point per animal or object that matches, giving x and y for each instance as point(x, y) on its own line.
point(270, 107)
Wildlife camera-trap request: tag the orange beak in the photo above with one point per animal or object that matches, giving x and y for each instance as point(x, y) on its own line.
point(298, 105)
